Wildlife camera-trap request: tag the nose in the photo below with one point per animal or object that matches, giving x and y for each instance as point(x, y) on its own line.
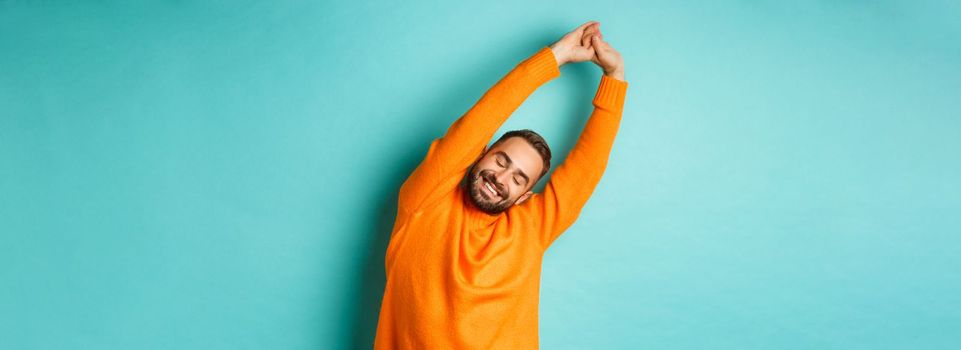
point(502, 177)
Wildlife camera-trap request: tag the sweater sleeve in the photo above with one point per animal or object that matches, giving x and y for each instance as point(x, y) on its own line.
point(574, 181)
point(450, 155)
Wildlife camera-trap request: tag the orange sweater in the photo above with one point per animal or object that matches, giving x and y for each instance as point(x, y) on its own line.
point(459, 278)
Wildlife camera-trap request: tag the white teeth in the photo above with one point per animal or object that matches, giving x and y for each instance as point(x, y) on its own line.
point(490, 188)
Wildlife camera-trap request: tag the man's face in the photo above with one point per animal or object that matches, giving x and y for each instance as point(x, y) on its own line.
point(504, 175)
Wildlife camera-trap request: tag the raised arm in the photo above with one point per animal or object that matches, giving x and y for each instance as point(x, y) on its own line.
point(572, 184)
point(449, 157)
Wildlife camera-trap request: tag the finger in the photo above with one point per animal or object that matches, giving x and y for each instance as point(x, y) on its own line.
point(586, 38)
point(600, 46)
point(599, 43)
point(590, 31)
point(593, 28)
point(594, 49)
point(580, 29)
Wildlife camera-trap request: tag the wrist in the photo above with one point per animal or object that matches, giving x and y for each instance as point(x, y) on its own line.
point(615, 73)
point(558, 54)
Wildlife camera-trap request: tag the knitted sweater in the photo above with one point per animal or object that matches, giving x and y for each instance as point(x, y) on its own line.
point(459, 278)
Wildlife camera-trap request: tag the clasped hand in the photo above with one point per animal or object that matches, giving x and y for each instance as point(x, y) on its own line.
point(587, 43)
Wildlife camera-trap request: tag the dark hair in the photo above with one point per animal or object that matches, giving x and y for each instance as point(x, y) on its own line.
point(536, 141)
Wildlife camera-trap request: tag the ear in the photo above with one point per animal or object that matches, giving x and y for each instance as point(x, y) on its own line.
point(524, 197)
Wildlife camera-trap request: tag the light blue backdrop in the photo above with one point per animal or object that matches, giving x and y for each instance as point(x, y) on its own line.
point(223, 175)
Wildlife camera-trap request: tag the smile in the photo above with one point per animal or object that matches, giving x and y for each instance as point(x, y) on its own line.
point(490, 188)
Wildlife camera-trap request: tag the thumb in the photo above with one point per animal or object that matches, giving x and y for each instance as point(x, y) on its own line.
point(597, 45)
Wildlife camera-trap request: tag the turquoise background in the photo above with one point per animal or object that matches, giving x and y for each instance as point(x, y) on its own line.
point(223, 174)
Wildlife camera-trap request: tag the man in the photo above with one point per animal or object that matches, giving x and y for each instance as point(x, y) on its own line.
point(464, 259)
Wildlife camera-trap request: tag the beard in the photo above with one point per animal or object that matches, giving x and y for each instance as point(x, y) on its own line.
point(477, 192)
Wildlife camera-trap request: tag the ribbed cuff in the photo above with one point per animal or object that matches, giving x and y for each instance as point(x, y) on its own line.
point(542, 65)
point(610, 94)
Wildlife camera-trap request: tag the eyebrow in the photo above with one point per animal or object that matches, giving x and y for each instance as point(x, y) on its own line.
point(509, 162)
